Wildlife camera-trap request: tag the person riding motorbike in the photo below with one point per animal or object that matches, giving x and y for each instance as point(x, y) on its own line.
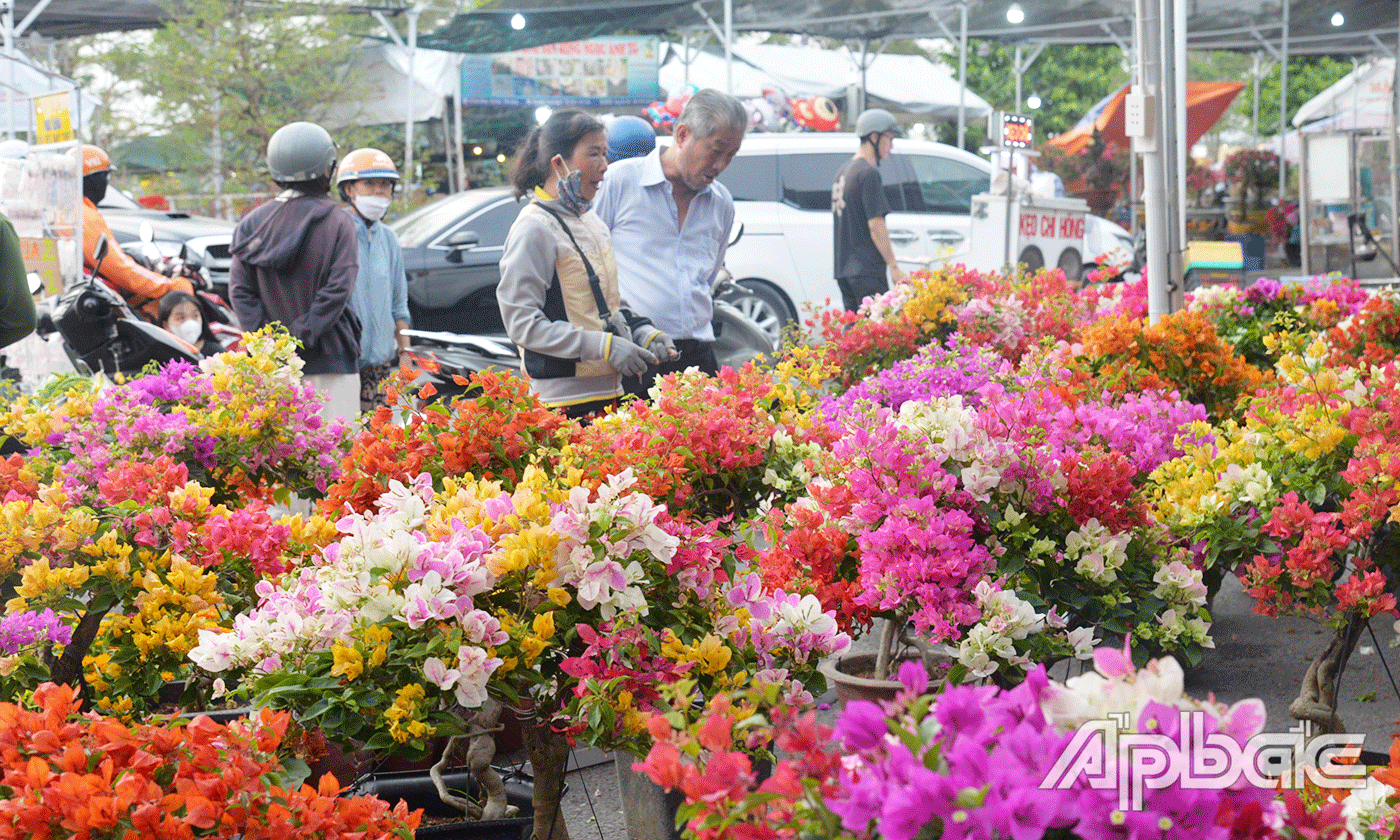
point(141, 287)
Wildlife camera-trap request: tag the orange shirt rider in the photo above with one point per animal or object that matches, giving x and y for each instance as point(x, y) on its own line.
point(140, 286)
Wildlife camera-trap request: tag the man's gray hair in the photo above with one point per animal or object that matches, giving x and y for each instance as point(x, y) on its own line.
point(709, 111)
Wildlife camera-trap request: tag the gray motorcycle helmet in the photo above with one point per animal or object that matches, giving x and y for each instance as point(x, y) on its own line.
point(300, 151)
point(875, 121)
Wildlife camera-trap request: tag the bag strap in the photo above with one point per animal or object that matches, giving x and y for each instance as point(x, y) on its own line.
point(593, 282)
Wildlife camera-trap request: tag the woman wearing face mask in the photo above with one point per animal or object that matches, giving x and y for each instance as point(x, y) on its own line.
point(181, 316)
point(558, 292)
point(366, 179)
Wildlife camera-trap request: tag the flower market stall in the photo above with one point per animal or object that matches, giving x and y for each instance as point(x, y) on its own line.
point(990, 472)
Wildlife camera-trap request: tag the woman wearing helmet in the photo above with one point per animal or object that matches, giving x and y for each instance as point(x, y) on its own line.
point(366, 180)
point(295, 261)
point(141, 287)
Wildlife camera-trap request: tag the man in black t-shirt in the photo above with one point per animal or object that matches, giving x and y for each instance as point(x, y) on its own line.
point(858, 206)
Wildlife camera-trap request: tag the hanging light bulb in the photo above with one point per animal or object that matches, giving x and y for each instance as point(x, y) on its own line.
point(1015, 14)
point(1033, 101)
point(1338, 19)
point(517, 21)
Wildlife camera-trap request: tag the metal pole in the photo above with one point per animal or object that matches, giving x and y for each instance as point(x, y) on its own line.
point(1283, 102)
point(1394, 153)
point(962, 74)
point(1154, 217)
point(1174, 43)
point(1254, 74)
point(728, 47)
point(408, 104)
point(1017, 68)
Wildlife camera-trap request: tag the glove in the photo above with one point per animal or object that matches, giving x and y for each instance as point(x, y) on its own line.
point(661, 344)
point(627, 358)
point(617, 325)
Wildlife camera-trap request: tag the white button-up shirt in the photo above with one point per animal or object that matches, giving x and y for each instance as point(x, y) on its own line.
point(665, 273)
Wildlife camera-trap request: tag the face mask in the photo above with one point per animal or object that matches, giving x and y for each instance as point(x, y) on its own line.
point(372, 207)
point(570, 194)
point(189, 331)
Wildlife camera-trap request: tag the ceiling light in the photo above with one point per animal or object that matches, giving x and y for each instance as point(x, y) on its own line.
point(1015, 14)
point(1338, 19)
point(517, 21)
point(1033, 101)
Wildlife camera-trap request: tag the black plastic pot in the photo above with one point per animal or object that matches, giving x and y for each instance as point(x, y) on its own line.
point(416, 789)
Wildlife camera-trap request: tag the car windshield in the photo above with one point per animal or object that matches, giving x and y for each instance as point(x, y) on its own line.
point(115, 198)
point(415, 229)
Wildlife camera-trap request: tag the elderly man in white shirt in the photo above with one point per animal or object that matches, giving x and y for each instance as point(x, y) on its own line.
point(670, 222)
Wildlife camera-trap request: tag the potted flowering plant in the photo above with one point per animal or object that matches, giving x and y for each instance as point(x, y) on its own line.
point(969, 762)
point(65, 774)
point(1255, 173)
point(1295, 499)
point(118, 536)
point(571, 605)
point(994, 513)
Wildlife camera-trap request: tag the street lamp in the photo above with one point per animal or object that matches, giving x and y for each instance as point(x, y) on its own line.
point(1033, 101)
point(1338, 19)
point(517, 21)
point(1015, 14)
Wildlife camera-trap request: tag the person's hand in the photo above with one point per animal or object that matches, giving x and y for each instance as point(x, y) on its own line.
point(661, 344)
point(627, 358)
point(617, 324)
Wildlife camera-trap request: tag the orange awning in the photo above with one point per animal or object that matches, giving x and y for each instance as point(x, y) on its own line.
point(1205, 102)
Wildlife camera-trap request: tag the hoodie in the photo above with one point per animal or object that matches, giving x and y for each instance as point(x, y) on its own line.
point(295, 259)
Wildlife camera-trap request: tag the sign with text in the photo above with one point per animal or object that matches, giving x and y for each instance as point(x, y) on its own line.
point(53, 118)
point(599, 72)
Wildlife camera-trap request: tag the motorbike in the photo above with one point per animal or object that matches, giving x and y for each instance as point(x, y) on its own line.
point(100, 332)
point(218, 314)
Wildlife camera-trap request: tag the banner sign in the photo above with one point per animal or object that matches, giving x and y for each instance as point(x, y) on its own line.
point(53, 118)
point(597, 73)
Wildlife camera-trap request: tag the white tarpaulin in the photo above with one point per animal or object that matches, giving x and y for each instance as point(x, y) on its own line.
point(908, 83)
point(380, 71)
point(21, 80)
point(1364, 91)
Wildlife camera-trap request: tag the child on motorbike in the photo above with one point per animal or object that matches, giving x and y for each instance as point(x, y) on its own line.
point(181, 316)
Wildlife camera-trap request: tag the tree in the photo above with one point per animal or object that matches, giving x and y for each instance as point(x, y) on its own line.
point(1069, 79)
point(1308, 76)
point(228, 73)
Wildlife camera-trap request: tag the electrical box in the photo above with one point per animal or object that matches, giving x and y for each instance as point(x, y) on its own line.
point(1137, 115)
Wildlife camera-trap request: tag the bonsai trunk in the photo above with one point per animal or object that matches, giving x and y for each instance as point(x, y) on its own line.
point(1317, 697)
point(549, 757)
point(67, 669)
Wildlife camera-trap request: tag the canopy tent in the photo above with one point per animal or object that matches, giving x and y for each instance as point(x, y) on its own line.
point(1211, 24)
point(1365, 92)
point(906, 83)
point(20, 79)
point(1205, 102)
point(381, 73)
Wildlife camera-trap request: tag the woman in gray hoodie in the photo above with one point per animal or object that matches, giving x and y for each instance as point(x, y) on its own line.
point(558, 292)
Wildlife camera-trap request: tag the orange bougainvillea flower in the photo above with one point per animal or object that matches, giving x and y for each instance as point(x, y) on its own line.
point(79, 776)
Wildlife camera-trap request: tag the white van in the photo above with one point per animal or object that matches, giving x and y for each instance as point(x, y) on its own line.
point(782, 194)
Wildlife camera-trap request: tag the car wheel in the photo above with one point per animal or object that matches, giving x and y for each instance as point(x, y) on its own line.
point(1032, 259)
point(1072, 265)
point(765, 305)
